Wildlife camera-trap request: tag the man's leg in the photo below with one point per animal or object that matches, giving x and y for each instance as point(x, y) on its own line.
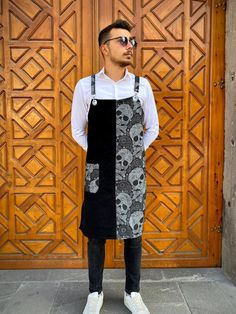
point(96, 256)
point(132, 255)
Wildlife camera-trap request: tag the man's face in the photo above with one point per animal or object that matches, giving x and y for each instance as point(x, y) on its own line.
point(115, 52)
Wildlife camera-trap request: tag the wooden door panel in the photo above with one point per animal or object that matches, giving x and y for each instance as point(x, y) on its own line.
point(174, 55)
point(42, 172)
point(45, 47)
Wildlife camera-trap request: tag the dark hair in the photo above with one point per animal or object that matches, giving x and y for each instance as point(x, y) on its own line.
point(105, 33)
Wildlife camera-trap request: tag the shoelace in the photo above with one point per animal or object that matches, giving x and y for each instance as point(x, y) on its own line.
point(138, 302)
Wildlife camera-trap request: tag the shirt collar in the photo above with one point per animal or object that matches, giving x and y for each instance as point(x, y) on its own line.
point(103, 75)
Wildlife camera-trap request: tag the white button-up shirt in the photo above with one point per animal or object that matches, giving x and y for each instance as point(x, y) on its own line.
point(106, 88)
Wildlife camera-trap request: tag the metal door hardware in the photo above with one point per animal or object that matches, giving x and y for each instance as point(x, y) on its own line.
point(220, 83)
point(222, 5)
point(217, 228)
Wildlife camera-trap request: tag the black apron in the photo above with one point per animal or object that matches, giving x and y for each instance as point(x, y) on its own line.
point(115, 172)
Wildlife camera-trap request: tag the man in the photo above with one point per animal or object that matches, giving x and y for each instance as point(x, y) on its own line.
point(116, 105)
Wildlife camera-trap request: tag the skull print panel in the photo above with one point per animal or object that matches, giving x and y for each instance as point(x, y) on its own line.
point(115, 178)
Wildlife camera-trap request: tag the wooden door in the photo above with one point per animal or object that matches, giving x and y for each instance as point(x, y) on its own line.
point(46, 46)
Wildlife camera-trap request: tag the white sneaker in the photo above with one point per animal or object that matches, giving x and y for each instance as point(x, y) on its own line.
point(94, 303)
point(135, 303)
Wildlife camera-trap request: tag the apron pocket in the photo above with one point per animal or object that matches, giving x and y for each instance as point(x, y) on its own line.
point(92, 177)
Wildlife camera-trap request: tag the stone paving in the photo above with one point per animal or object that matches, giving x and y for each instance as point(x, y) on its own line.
point(164, 291)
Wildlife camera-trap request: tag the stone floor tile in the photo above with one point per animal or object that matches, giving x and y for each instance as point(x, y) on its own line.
point(3, 304)
point(206, 297)
point(193, 274)
point(214, 274)
point(71, 298)
point(32, 297)
point(114, 274)
point(67, 275)
point(7, 289)
point(162, 292)
point(108, 275)
point(151, 274)
point(165, 291)
point(212, 311)
point(174, 308)
point(229, 290)
point(15, 275)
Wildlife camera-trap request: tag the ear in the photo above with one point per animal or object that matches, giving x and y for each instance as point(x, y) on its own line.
point(104, 50)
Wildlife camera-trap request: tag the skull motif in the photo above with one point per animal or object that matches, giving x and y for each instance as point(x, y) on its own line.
point(136, 222)
point(123, 186)
point(123, 203)
point(137, 118)
point(137, 206)
point(124, 159)
point(124, 141)
point(136, 178)
point(92, 177)
point(94, 185)
point(136, 133)
point(124, 114)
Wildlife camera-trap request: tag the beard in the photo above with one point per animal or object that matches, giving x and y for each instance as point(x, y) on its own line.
point(121, 63)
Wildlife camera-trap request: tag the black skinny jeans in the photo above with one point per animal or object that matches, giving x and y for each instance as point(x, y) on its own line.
point(132, 257)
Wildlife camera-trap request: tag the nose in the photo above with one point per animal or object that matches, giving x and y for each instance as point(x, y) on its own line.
point(129, 45)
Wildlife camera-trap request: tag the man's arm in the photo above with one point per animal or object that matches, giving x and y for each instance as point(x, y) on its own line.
point(78, 117)
point(151, 120)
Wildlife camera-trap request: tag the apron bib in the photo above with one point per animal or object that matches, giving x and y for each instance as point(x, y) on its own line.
point(115, 172)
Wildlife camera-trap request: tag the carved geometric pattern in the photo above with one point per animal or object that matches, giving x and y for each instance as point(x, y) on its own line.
point(41, 166)
point(40, 163)
point(173, 59)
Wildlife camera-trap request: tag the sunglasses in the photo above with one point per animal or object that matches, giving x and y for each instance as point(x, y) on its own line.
point(123, 40)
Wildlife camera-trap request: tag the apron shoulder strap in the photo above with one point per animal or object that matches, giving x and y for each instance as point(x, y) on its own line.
point(136, 84)
point(93, 84)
